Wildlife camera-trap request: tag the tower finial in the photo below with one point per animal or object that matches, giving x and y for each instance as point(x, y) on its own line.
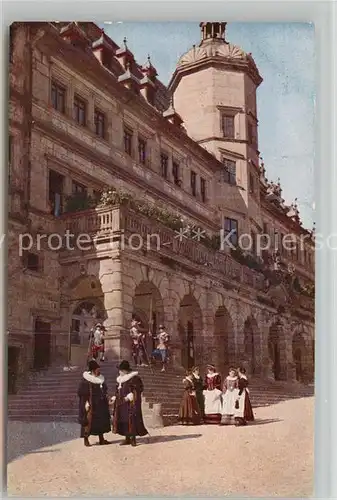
point(211, 31)
point(125, 42)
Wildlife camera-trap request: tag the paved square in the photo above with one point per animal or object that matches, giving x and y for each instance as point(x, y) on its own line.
point(272, 457)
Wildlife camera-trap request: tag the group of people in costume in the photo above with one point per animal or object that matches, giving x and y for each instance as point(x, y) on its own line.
point(95, 406)
point(138, 345)
point(211, 402)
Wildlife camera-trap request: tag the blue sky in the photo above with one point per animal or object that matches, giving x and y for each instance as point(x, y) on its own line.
point(285, 56)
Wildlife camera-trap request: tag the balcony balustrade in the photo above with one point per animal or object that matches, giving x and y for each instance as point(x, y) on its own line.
point(103, 224)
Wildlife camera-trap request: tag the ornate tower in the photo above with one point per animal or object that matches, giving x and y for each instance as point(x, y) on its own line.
point(214, 88)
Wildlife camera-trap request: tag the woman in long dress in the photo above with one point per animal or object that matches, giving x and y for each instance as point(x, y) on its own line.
point(198, 387)
point(244, 411)
point(189, 412)
point(212, 395)
point(229, 398)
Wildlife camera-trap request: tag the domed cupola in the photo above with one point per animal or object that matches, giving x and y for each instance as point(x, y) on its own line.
point(214, 48)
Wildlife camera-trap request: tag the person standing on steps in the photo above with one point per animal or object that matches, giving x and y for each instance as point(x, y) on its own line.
point(137, 341)
point(212, 394)
point(162, 347)
point(243, 408)
point(96, 340)
point(94, 414)
point(198, 387)
point(127, 405)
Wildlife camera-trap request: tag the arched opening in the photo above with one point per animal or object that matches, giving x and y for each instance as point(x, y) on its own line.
point(148, 309)
point(224, 337)
point(250, 341)
point(86, 309)
point(190, 330)
point(83, 319)
point(299, 356)
point(276, 350)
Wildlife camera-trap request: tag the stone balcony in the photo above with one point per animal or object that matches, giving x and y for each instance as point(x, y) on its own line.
point(122, 224)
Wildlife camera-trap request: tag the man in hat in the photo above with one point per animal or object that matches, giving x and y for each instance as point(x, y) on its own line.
point(128, 417)
point(138, 347)
point(94, 413)
point(97, 341)
point(162, 347)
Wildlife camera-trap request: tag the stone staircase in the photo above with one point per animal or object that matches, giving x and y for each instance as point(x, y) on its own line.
point(51, 396)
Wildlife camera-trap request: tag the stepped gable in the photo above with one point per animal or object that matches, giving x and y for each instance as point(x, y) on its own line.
point(52, 396)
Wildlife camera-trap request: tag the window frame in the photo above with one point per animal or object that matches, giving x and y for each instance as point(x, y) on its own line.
point(77, 187)
point(34, 269)
point(227, 231)
point(203, 189)
point(127, 140)
point(225, 126)
point(58, 88)
point(227, 176)
point(142, 150)
point(193, 183)
point(99, 119)
point(164, 160)
point(53, 192)
point(79, 105)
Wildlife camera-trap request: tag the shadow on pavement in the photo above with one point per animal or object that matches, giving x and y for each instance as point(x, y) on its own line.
point(25, 438)
point(265, 421)
point(166, 439)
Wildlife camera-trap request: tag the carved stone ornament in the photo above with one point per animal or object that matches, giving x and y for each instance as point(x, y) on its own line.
point(225, 50)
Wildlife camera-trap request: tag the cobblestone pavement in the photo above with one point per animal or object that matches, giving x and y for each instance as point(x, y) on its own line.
point(272, 457)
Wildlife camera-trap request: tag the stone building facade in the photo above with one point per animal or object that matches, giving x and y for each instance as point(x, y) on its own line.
point(85, 117)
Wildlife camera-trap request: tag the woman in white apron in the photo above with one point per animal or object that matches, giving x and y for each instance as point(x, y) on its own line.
point(212, 394)
point(243, 410)
point(229, 398)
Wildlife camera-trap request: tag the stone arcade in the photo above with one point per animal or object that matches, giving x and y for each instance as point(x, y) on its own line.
point(85, 116)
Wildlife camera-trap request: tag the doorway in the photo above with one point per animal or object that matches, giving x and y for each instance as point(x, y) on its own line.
point(42, 345)
point(190, 345)
point(298, 364)
point(13, 367)
point(277, 361)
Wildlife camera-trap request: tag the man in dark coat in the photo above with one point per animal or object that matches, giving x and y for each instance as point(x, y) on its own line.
point(94, 413)
point(128, 418)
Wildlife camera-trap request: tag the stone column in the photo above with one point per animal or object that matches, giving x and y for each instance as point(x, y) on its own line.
point(238, 355)
point(70, 101)
point(289, 368)
point(171, 321)
point(266, 362)
point(112, 287)
point(90, 119)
